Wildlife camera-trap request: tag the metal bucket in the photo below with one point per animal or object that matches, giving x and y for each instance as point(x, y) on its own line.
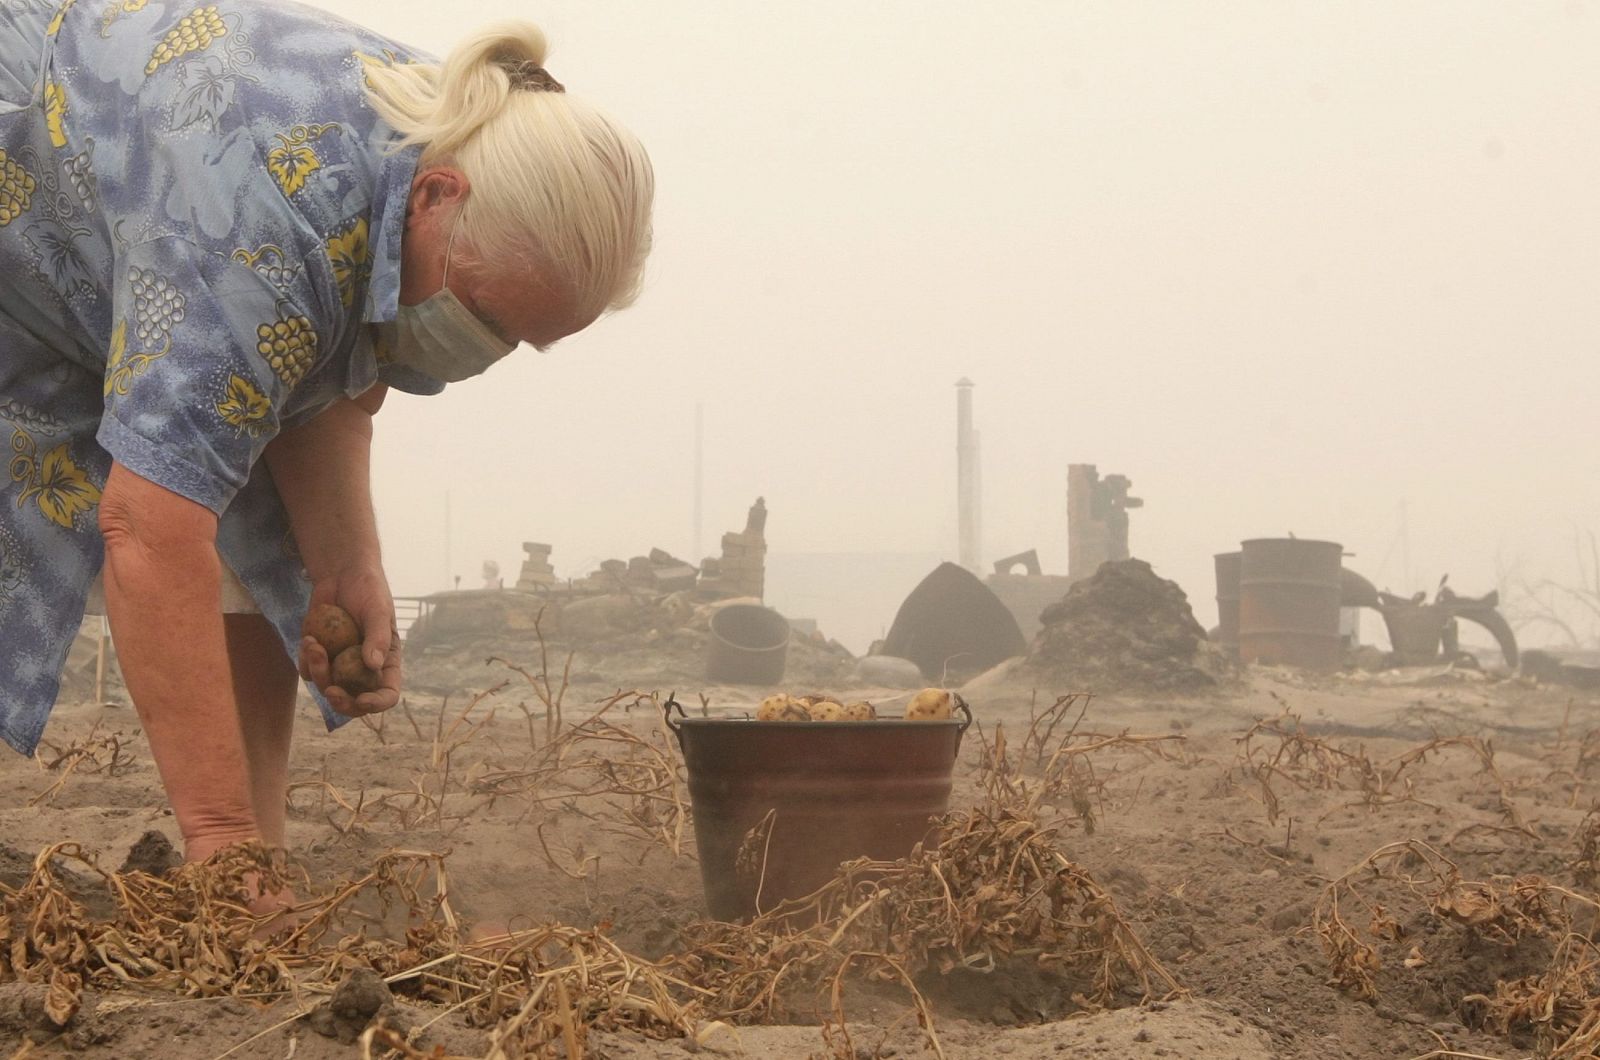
point(834, 790)
point(749, 645)
point(1289, 593)
point(1416, 633)
point(1228, 564)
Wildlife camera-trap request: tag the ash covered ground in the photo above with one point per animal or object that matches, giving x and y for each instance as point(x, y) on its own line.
point(1223, 825)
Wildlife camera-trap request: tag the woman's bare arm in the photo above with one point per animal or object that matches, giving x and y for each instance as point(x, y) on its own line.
point(164, 598)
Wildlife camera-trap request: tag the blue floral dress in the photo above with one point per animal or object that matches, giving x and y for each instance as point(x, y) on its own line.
point(200, 220)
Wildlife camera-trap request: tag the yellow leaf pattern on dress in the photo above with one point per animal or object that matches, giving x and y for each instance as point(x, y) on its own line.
point(122, 367)
point(64, 490)
point(57, 484)
point(348, 252)
point(60, 15)
point(116, 354)
point(244, 406)
point(55, 113)
point(115, 10)
point(289, 346)
point(290, 166)
point(194, 32)
point(293, 160)
point(16, 189)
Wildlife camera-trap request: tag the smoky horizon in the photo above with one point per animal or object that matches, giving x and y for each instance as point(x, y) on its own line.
point(1290, 269)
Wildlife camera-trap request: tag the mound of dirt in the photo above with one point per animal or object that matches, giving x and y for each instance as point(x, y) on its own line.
point(1126, 629)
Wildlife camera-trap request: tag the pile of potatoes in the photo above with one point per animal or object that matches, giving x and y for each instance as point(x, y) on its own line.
point(931, 704)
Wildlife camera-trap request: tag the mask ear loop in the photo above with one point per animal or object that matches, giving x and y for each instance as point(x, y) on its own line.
point(449, 243)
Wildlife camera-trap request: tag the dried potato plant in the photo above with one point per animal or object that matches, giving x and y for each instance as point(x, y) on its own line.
point(106, 754)
point(630, 784)
point(192, 933)
point(627, 783)
point(440, 795)
point(1282, 749)
point(1558, 1007)
point(994, 888)
point(1585, 866)
point(1573, 763)
point(1050, 770)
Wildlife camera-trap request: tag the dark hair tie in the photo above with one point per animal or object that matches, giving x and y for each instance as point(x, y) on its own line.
point(530, 76)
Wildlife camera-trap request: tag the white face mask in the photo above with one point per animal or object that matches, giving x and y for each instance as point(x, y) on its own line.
point(440, 338)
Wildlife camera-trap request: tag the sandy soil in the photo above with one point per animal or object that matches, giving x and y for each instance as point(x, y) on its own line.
point(1182, 840)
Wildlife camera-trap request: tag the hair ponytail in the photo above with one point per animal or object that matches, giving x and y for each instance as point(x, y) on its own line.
point(551, 177)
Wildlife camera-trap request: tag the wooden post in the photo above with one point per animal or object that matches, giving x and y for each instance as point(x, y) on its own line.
point(100, 666)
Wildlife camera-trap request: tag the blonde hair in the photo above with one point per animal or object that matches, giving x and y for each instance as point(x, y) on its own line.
point(552, 179)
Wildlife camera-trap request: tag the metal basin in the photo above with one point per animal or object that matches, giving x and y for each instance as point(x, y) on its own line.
point(834, 791)
point(749, 645)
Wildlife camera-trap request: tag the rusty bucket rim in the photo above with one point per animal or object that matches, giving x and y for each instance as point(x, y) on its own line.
point(683, 720)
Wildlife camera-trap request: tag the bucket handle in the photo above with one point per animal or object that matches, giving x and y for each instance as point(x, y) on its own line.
point(666, 714)
point(966, 712)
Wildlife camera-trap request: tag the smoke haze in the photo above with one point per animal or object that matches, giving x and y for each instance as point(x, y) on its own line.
point(1288, 266)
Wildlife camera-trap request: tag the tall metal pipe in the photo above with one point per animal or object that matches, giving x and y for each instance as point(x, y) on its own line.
point(968, 493)
point(699, 477)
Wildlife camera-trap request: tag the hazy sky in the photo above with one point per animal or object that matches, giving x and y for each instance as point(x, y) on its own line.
point(1285, 264)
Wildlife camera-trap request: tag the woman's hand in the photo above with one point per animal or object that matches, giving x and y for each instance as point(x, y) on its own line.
point(321, 470)
point(364, 592)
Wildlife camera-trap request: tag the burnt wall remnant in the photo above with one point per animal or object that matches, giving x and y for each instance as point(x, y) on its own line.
point(1097, 519)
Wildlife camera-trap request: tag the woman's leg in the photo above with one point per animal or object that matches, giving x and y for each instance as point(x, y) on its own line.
point(264, 686)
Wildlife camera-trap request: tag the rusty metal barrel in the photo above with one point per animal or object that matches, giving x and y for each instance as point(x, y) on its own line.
point(779, 805)
point(1289, 592)
point(1228, 600)
point(749, 645)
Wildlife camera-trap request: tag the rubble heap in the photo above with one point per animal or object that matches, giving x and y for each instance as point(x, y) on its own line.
point(622, 638)
point(1125, 629)
point(739, 571)
point(644, 620)
point(659, 572)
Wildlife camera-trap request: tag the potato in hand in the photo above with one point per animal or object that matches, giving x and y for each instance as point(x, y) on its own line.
point(332, 627)
point(351, 673)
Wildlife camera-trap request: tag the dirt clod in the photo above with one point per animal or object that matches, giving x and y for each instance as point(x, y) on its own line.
point(153, 855)
point(360, 997)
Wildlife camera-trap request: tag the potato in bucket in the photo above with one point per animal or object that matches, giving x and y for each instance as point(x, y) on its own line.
point(782, 708)
point(931, 704)
point(826, 710)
